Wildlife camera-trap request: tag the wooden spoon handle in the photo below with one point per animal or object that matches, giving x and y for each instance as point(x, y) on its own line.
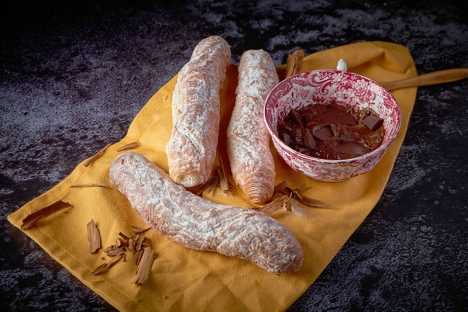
point(441, 76)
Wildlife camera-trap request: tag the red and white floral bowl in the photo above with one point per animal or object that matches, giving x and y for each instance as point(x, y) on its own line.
point(324, 86)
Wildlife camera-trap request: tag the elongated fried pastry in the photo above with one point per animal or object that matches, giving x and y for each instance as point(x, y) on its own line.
point(191, 150)
point(251, 161)
point(197, 223)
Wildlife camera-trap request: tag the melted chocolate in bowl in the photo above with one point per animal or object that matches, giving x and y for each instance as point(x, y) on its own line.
point(323, 87)
point(332, 131)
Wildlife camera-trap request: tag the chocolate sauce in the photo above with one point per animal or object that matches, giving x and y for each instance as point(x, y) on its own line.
point(332, 131)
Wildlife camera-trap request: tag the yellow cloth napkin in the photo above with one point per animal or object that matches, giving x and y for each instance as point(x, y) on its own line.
point(187, 280)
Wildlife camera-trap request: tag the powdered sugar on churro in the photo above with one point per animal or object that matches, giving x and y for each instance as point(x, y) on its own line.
point(200, 224)
point(191, 150)
point(248, 141)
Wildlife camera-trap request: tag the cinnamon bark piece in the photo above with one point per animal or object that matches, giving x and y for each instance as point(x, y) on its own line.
point(94, 237)
point(294, 63)
point(32, 219)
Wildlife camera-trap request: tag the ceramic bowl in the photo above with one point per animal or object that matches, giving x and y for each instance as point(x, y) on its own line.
point(322, 87)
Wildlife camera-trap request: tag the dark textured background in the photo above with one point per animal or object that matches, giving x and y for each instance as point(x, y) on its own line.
point(73, 75)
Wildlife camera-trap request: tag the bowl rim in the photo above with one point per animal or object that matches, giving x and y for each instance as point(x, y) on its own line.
point(378, 151)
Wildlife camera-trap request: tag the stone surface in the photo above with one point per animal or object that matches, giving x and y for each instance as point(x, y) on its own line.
point(72, 78)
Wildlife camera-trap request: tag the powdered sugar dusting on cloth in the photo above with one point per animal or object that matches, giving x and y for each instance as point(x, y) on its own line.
point(252, 163)
point(191, 150)
point(200, 224)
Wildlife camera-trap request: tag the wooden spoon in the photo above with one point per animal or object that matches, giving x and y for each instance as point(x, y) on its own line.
point(441, 76)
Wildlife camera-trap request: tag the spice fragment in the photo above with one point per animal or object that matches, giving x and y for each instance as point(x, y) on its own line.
point(218, 178)
point(144, 266)
point(278, 188)
point(94, 237)
point(106, 266)
point(139, 241)
point(209, 186)
point(125, 237)
point(276, 205)
point(115, 259)
point(213, 183)
point(298, 195)
point(100, 269)
point(32, 219)
point(96, 156)
point(128, 146)
point(137, 244)
point(222, 176)
point(89, 185)
point(137, 229)
point(114, 250)
point(294, 63)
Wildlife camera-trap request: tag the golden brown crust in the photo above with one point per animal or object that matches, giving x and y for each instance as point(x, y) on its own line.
point(251, 161)
point(191, 150)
